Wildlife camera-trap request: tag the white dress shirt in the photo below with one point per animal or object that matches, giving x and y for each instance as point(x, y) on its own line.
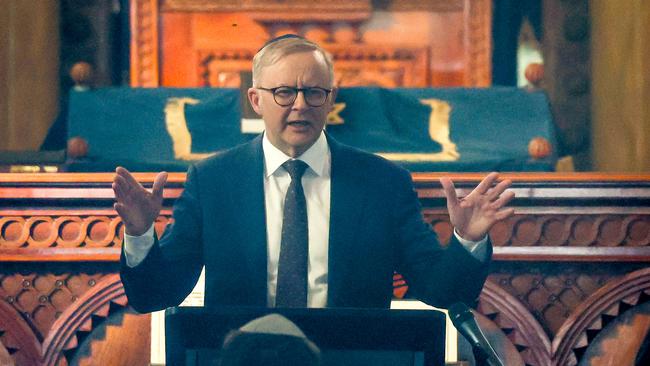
point(316, 184)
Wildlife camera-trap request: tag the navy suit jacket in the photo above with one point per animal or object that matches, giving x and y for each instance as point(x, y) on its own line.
point(376, 227)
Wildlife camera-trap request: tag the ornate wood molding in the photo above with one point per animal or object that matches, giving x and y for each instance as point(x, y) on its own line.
point(567, 233)
point(579, 329)
point(530, 236)
point(587, 320)
point(32, 236)
point(584, 239)
point(292, 5)
point(333, 7)
point(515, 320)
point(79, 317)
point(21, 330)
point(41, 298)
point(359, 65)
point(598, 218)
point(425, 5)
point(551, 291)
point(221, 68)
point(62, 231)
point(479, 58)
point(380, 66)
point(144, 43)
point(17, 337)
point(336, 22)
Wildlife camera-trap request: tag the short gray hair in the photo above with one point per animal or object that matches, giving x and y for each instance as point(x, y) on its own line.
point(274, 51)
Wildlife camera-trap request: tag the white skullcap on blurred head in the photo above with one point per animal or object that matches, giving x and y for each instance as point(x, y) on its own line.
point(273, 324)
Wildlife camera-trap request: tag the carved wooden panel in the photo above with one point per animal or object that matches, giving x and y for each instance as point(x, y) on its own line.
point(378, 66)
point(606, 304)
point(144, 43)
point(414, 5)
point(41, 298)
point(339, 5)
point(571, 263)
point(553, 292)
point(61, 300)
point(43, 317)
point(124, 331)
point(333, 6)
point(479, 35)
point(27, 231)
point(358, 66)
point(185, 43)
point(221, 68)
point(518, 326)
point(563, 230)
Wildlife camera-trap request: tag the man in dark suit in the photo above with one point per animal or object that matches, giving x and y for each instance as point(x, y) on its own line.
point(360, 220)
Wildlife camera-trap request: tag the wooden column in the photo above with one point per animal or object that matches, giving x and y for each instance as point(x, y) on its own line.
point(29, 65)
point(621, 85)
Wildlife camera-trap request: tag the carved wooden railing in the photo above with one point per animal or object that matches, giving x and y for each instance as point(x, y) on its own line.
point(569, 273)
point(569, 263)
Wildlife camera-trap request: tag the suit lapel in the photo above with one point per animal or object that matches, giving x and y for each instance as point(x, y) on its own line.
point(249, 209)
point(346, 207)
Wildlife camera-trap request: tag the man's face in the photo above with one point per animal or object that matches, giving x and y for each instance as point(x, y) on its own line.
point(294, 128)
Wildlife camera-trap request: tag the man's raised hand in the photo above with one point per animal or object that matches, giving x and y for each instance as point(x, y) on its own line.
point(474, 214)
point(137, 207)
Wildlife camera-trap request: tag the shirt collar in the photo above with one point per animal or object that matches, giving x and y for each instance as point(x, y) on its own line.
point(315, 156)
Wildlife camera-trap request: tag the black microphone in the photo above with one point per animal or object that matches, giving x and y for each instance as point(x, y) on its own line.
point(466, 325)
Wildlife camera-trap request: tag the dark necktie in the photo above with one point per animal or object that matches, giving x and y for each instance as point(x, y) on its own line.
point(292, 265)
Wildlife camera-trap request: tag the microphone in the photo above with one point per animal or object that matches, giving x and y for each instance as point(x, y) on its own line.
point(464, 321)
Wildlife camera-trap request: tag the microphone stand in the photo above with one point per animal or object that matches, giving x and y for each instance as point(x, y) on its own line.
point(463, 319)
point(480, 358)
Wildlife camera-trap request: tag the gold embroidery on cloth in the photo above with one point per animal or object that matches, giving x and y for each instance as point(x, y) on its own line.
point(333, 117)
point(177, 128)
point(439, 131)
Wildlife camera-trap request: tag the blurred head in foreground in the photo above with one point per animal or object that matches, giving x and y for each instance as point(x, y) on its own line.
point(272, 340)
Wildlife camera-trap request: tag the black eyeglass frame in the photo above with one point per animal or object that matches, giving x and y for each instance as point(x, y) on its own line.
point(296, 91)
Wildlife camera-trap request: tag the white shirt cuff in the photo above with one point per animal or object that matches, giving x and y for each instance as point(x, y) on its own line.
point(478, 249)
point(136, 248)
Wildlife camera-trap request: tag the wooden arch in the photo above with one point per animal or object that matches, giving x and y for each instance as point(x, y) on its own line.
point(610, 301)
point(79, 317)
point(516, 321)
point(21, 341)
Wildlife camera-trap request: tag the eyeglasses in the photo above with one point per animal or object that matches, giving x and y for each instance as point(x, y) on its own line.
point(285, 95)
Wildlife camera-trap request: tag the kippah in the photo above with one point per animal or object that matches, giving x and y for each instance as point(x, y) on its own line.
point(279, 38)
point(273, 324)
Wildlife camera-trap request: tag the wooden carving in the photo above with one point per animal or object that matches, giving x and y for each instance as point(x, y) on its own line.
point(186, 43)
point(478, 40)
point(608, 230)
point(353, 66)
point(334, 6)
point(514, 319)
point(17, 337)
point(590, 317)
point(144, 43)
point(380, 66)
point(221, 68)
point(42, 314)
point(572, 260)
point(25, 235)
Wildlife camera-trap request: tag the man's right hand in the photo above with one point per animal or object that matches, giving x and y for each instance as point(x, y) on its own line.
point(137, 207)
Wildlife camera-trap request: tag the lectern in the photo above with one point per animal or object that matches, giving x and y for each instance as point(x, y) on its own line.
point(359, 337)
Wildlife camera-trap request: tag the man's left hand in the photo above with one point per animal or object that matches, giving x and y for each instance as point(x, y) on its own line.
point(474, 214)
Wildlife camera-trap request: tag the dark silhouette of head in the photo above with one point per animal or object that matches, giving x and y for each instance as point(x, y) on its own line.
point(272, 340)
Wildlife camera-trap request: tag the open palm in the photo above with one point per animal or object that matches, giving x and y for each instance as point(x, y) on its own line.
point(473, 215)
point(137, 207)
